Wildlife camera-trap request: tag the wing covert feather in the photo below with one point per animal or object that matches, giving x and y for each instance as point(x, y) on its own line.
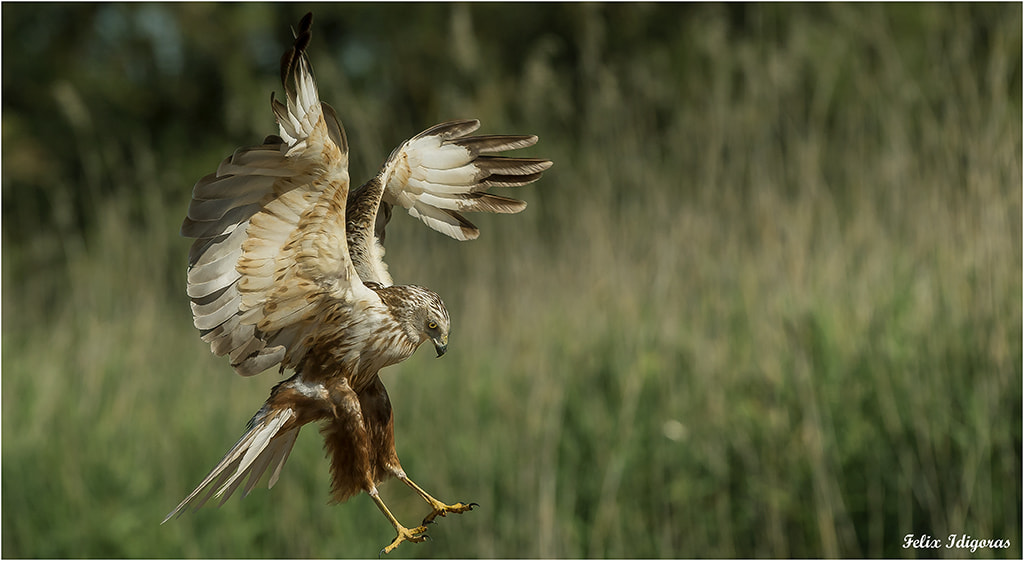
point(442, 171)
point(436, 175)
point(270, 230)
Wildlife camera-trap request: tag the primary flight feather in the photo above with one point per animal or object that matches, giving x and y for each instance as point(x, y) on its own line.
point(287, 272)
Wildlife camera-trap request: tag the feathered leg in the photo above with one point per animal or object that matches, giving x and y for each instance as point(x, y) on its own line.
point(380, 423)
point(358, 463)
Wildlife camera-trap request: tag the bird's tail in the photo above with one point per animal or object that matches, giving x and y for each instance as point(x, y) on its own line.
point(266, 443)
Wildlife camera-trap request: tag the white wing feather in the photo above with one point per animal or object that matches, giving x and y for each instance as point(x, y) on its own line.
point(435, 176)
point(270, 232)
point(443, 171)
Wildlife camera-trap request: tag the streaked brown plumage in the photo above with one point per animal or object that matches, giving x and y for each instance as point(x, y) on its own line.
point(287, 272)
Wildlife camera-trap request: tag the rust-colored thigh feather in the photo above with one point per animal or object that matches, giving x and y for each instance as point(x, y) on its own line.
point(348, 444)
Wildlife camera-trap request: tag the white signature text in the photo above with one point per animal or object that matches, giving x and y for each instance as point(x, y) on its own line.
point(953, 541)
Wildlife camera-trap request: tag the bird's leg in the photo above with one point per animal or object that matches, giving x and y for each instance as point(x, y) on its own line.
point(404, 534)
point(353, 441)
point(438, 507)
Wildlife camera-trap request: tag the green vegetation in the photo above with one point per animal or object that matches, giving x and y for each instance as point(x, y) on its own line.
point(766, 304)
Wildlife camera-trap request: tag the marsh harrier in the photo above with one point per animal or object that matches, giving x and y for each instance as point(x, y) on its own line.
point(287, 272)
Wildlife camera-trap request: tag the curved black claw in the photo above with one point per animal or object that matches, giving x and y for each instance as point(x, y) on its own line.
point(384, 550)
point(441, 509)
point(414, 535)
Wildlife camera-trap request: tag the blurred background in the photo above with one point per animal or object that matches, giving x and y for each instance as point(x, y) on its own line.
point(767, 303)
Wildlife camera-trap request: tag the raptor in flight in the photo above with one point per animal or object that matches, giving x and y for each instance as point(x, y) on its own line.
point(287, 272)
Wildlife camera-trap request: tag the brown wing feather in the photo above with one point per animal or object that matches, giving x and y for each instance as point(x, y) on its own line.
point(270, 230)
point(437, 175)
point(442, 172)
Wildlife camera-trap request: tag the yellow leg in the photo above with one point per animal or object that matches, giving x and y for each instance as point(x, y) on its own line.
point(404, 534)
point(438, 507)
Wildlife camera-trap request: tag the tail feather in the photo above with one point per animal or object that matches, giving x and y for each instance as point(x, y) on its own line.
point(282, 448)
point(262, 446)
point(275, 454)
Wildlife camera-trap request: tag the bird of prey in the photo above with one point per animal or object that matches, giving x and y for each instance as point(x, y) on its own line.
point(287, 271)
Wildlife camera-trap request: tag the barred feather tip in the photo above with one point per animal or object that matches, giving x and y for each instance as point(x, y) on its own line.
point(441, 172)
point(302, 112)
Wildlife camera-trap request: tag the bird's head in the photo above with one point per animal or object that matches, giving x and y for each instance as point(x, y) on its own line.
point(424, 316)
point(434, 323)
point(438, 333)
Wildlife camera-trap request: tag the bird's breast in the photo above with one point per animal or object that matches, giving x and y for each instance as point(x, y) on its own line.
point(358, 349)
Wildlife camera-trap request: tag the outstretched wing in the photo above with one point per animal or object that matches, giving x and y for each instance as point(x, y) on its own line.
point(270, 231)
point(436, 175)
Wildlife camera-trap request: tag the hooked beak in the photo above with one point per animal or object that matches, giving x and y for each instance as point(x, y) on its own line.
point(440, 344)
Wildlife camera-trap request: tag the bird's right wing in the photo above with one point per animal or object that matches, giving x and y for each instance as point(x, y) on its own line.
point(269, 225)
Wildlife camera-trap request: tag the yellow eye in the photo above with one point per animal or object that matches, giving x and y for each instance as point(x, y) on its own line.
point(432, 325)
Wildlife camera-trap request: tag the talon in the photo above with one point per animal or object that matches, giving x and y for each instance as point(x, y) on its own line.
point(441, 509)
point(414, 535)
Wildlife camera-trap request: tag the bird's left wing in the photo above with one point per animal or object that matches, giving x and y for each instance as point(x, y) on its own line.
point(269, 225)
point(436, 175)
